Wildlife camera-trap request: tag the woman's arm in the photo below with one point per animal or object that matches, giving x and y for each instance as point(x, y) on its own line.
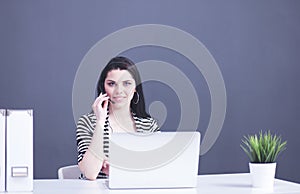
point(93, 159)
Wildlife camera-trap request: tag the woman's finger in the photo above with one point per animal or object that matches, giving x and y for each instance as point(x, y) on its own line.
point(105, 104)
point(98, 102)
point(99, 99)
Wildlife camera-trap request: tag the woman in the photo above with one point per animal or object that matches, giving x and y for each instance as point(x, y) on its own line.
point(119, 107)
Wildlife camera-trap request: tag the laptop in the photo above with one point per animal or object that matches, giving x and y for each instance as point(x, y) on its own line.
point(154, 160)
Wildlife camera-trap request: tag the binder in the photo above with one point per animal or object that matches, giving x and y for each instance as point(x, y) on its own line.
point(17, 132)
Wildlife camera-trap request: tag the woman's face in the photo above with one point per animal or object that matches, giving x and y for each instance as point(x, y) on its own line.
point(120, 87)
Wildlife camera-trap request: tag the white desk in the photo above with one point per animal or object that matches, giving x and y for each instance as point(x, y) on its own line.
point(219, 183)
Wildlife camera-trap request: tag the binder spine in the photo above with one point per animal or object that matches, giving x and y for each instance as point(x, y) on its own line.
point(2, 150)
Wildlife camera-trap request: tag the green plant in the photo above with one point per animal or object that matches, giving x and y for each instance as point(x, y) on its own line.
point(263, 148)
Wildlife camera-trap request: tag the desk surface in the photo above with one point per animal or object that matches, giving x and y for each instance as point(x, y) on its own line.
point(218, 183)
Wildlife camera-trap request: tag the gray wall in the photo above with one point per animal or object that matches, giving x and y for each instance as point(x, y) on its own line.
point(255, 43)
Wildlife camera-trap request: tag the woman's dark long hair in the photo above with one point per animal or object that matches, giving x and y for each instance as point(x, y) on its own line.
point(124, 63)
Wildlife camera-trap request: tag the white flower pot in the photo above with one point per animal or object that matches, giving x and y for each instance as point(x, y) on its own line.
point(262, 174)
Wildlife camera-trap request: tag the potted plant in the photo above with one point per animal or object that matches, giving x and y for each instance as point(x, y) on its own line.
point(263, 150)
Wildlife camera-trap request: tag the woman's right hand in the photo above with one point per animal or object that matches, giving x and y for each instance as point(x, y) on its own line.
point(100, 107)
point(105, 167)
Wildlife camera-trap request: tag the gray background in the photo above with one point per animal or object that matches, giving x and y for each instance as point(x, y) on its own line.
point(255, 43)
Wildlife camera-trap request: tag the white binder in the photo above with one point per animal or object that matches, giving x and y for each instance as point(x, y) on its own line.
point(2, 149)
point(19, 150)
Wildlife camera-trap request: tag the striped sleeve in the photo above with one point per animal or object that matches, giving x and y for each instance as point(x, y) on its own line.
point(154, 126)
point(84, 134)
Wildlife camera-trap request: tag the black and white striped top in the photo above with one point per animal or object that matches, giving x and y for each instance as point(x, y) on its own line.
point(85, 130)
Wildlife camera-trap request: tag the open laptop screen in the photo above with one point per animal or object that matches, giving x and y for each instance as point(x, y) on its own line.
point(156, 160)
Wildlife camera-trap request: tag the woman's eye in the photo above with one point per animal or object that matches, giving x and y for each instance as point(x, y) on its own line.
point(111, 83)
point(127, 83)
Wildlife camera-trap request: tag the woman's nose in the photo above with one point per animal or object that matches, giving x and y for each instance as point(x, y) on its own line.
point(119, 88)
